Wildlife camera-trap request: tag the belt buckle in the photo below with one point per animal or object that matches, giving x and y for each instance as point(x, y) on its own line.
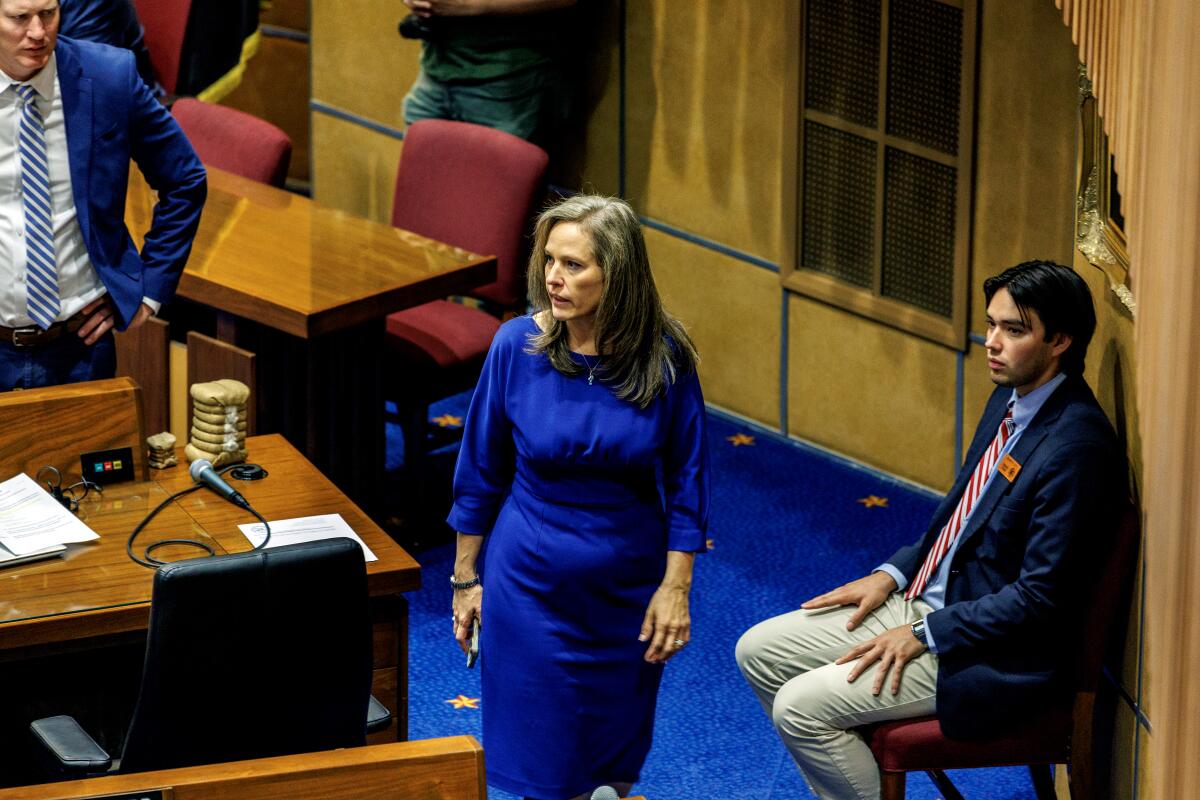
point(31, 331)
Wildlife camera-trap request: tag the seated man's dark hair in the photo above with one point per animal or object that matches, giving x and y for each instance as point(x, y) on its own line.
point(1061, 299)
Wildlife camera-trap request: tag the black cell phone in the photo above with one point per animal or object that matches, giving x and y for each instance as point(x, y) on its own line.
point(473, 650)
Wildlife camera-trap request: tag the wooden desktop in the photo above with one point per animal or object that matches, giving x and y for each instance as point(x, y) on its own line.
point(306, 288)
point(95, 593)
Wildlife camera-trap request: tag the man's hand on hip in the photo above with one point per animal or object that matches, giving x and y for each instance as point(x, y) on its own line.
point(892, 649)
point(867, 593)
point(100, 318)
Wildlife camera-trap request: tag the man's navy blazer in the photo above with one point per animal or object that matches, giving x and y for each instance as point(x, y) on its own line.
point(111, 117)
point(1008, 635)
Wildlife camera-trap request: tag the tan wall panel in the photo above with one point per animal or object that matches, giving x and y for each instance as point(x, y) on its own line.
point(871, 392)
point(1121, 769)
point(285, 14)
point(589, 156)
point(1027, 108)
point(731, 310)
point(354, 168)
point(977, 388)
point(703, 117)
point(275, 88)
point(360, 63)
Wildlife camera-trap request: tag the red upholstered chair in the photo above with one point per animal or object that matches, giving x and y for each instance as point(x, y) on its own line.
point(235, 141)
point(1055, 737)
point(476, 188)
point(165, 23)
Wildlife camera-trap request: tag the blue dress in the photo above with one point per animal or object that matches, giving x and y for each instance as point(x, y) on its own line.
point(582, 494)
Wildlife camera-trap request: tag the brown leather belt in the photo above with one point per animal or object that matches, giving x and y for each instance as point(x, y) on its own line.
point(33, 336)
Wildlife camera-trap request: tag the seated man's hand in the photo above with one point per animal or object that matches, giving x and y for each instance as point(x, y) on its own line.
point(867, 593)
point(892, 649)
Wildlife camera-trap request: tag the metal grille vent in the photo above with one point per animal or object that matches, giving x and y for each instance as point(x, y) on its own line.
point(924, 62)
point(842, 45)
point(918, 232)
point(839, 204)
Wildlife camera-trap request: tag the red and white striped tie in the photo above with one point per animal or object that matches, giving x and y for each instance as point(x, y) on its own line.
point(965, 503)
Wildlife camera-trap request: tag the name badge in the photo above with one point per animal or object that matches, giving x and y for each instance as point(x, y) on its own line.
point(1009, 468)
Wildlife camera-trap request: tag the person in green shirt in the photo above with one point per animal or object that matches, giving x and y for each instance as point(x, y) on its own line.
point(500, 63)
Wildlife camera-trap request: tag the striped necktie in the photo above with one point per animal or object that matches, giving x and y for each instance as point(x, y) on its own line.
point(963, 510)
point(41, 275)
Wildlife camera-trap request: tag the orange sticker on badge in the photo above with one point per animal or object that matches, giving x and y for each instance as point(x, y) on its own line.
point(1009, 468)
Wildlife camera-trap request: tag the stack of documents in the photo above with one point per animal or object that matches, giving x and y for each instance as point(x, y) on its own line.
point(33, 524)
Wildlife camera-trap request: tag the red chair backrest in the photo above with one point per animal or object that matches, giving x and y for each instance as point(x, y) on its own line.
point(473, 187)
point(235, 141)
point(165, 23)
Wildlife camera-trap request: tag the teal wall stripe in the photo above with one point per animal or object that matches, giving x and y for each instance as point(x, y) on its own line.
point(276, 32)
point(709, 244)
point(357, 119)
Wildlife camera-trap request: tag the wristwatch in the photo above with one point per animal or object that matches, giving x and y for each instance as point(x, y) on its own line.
point(918, 631)
point(458, 585)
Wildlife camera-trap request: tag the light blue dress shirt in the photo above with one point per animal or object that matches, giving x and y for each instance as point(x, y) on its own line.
point(1024, 409)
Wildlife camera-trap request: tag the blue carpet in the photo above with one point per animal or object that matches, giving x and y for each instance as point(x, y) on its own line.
point(787, 523)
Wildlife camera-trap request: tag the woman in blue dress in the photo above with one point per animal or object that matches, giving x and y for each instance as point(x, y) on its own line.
point(584, 462)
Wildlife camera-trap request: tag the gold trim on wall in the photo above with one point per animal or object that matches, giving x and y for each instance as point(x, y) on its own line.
point(1098, 231)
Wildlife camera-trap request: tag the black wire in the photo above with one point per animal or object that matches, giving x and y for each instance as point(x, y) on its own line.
point(154, 563)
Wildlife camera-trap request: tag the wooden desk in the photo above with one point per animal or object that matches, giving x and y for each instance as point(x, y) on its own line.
point(307, 287)
point(431, 769)
point(95, 592)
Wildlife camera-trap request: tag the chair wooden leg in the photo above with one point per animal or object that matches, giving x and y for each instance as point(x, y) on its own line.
point(949, 790)
point(1043, 781)
point(892, 785)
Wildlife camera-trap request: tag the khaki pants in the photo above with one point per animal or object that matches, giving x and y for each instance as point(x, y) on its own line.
point(788, 661)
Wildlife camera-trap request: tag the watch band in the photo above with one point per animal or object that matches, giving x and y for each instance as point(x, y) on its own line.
point(458, 585)
point(918, 630)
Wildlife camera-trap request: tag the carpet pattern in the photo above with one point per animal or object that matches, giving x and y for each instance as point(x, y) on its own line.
point(788, 522)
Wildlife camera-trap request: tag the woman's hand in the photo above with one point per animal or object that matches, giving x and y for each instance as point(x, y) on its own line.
point(467, 604)
point(667, 626)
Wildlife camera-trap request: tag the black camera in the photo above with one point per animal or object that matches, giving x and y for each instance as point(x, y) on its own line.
point(414, 27)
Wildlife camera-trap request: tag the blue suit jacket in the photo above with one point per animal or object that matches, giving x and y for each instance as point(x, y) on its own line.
point(1009, 632)
point(111, 117)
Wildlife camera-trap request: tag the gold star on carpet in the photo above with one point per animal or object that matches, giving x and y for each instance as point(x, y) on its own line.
point(739, 439)
point(462, 701)
point(448, 421)
point(708, 544)
point(871, 501)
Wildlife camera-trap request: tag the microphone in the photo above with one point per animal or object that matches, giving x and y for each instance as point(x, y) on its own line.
point(202, 472)
point(605, 793)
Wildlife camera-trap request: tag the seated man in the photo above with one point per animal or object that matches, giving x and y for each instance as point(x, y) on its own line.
point(979, 620)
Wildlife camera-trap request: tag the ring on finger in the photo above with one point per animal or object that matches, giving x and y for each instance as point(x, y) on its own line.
point(680, 642)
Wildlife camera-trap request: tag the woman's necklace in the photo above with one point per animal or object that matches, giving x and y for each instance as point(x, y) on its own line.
point(590, 368)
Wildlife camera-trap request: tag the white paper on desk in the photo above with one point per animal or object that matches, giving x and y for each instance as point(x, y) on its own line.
point(304, 529)
point(32, 520)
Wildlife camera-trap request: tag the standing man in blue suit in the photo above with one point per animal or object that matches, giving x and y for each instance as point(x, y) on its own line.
point(978, 621)
point(72, 114)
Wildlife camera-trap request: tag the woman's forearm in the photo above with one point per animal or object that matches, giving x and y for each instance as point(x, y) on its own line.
point(678, 574)
point(466, 553)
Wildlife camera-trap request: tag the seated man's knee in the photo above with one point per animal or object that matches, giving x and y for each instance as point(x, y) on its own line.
point(749, 650)
point(797, 703)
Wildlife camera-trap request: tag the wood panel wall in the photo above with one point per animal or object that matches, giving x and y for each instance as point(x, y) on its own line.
point(1144, 63)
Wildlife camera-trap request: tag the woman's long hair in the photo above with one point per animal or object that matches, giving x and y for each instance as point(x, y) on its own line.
point(643, 347)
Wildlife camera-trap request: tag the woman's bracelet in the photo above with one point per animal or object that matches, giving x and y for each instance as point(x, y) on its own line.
point(459, 585)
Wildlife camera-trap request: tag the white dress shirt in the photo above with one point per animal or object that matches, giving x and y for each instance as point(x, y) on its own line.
point(78, 283)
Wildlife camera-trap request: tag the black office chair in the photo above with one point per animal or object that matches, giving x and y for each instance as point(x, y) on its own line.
point(248, 656)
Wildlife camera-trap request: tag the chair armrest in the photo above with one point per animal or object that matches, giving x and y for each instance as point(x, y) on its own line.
point(67, 743)
point(378, 716)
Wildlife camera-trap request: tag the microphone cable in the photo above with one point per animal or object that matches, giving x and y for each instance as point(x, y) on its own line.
point(152, 562)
